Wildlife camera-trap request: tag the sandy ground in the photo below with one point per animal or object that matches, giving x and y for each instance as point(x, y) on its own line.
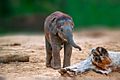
point(35, 69)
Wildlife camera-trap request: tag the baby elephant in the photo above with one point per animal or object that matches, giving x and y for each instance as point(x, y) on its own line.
point(58, 31)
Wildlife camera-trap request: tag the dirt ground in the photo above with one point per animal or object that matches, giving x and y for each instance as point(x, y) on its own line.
point(34, 46)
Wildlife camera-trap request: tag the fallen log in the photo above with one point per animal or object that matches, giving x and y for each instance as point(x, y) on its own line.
point(7, 58)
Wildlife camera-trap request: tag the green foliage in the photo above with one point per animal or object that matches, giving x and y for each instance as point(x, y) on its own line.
point(34, 6)
point(84, 12)
point(94, 12)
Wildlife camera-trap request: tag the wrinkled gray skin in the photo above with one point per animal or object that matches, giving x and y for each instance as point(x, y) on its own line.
point(58, 31)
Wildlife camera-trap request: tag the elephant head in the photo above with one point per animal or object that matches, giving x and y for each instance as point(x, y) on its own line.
point(63, 27)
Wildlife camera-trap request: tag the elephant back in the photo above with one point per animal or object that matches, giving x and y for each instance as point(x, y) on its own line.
point(52, 18)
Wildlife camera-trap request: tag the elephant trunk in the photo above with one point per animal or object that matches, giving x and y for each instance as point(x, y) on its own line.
point(71, 41)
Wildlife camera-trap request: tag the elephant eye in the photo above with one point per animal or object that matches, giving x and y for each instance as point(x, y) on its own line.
point(61, 29)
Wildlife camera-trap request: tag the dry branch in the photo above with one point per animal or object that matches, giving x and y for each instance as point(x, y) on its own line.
point(14, 58)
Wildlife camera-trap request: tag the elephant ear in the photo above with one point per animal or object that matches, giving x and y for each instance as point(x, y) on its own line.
point(53, 27)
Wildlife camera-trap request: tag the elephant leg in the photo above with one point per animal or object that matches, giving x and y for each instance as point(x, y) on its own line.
point(67, 54)
point(48, 53)
point(56, 61)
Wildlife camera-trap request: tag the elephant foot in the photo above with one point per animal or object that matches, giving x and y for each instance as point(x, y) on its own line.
point(56, 66)
point(56, 63)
